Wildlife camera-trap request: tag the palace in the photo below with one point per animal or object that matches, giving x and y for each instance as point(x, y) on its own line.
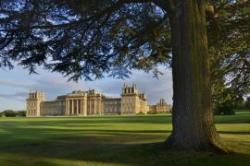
point(84, 103)
point(160, 107)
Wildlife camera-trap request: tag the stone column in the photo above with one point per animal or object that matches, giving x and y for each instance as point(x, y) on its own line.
point(81, 106)
point(67, 107)
point(69, 101)
point(102, 106)
point(95, 106)
point(90, 106)
point(99, 106)
point(72, 107)
point(77, 107)
point(85, 106)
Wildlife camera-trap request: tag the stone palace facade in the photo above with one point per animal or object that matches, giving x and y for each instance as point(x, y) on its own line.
point(161, 107)
point(84, 103)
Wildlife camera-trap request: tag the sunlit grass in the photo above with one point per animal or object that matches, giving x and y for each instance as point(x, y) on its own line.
point(112, 140)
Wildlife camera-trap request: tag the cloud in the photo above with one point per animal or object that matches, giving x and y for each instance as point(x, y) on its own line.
point(14, 84)
point(54, 86)
point(19, 96)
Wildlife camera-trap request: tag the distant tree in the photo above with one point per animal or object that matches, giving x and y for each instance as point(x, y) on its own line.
point(225, 99)
point(224, 109)
point(21, 113)
point(151, 112)
point(140, 113)
point(247, 103)
point(91, 38)
point(9, 113)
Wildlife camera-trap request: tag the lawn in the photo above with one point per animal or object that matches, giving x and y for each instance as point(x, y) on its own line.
point(117, 140)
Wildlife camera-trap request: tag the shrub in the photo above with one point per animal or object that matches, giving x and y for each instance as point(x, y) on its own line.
point(247, 103)
point(224, 110)
point(21, 113)
point(9, 113)
point(140, 113)
point(152, 112)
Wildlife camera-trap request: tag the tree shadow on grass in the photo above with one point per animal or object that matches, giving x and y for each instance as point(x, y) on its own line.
point(107, 149)
point(52, 142)
point(92, 120)
point(235, 132)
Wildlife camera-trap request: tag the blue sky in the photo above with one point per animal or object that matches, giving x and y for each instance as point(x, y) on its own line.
point(15, 85)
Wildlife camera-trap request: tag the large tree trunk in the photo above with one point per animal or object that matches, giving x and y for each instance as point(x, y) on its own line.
point(193, 125)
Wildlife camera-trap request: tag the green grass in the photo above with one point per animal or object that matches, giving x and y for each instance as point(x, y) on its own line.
point(117, 140)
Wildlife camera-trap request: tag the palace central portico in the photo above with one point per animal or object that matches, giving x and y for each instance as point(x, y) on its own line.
point(76, 103)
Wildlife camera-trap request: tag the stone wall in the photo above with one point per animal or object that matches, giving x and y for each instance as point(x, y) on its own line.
point(160, 107)
point(53, 108)
point(112, 106)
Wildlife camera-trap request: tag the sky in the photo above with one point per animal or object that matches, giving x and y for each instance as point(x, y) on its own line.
point(15, 85)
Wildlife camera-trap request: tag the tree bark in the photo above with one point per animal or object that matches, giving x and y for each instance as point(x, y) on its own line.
point(193, 124)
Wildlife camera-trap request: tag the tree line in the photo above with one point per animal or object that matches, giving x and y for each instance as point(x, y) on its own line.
point(12, 113)
point(228, 108)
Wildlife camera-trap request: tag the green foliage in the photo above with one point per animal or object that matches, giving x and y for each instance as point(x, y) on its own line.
point(21, 113)
point(225, 96)
point(9, 113)
point(90, 38)
point(140, 113)
point(12, 113)
point(152, 112)
point(84, 39)
point(247, 103)
point(229, 36)
point(224, 110)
